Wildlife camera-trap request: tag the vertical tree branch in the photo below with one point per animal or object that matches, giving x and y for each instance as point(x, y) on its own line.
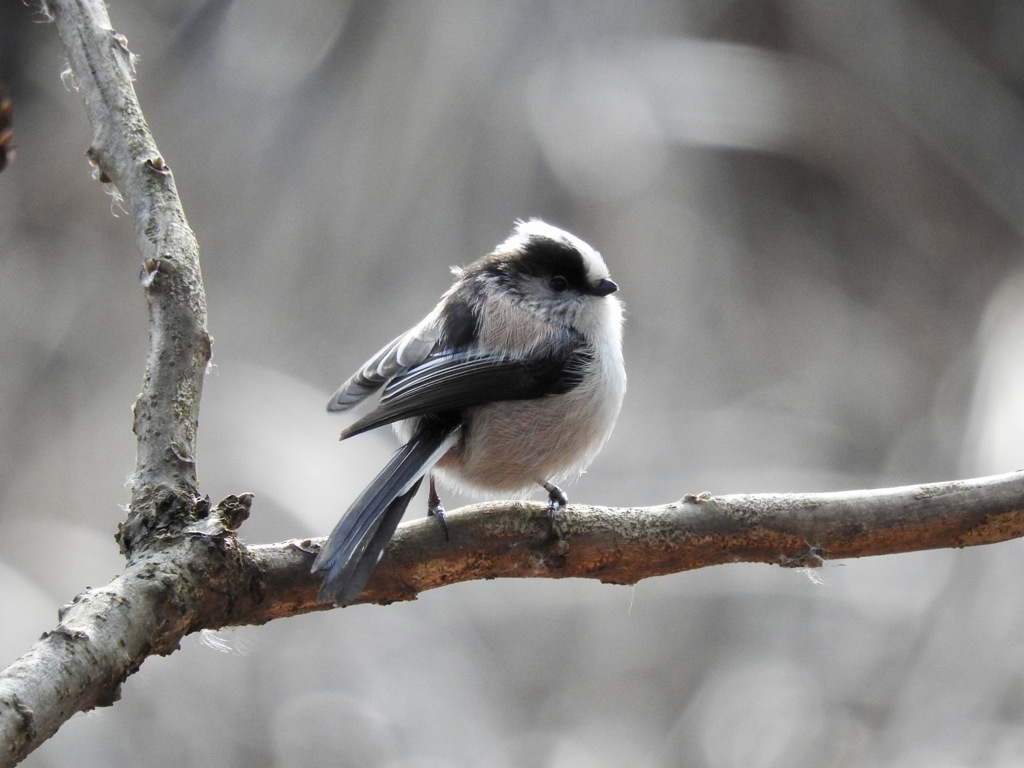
point(104, 634)
point(166, 413)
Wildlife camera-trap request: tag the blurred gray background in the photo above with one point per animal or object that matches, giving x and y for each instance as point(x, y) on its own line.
point(814, 209)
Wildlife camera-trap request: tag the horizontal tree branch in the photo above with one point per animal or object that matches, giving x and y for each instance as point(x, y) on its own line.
point(625, 545)
point(206, 579)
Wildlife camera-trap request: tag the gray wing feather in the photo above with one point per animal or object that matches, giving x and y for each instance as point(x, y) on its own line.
point(398, 356)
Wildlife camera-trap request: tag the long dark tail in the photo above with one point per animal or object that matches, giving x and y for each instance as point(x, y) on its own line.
point(351, 552)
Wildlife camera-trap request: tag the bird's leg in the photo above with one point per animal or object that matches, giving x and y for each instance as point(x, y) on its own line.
point(436, 509)
point(557, 501)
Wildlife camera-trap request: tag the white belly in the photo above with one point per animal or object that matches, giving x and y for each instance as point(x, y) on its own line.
point(510, 446)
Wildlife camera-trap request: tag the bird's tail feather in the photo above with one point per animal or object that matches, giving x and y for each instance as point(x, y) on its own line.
point(351, 552)
point(352, 578)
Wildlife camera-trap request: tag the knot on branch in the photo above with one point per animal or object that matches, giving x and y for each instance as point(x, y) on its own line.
point(158, 515)
point(227, 516)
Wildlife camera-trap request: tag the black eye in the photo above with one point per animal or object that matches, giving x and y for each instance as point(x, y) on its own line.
point(558, 283)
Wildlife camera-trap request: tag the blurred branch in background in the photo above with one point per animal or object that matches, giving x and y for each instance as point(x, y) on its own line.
point(6, 131)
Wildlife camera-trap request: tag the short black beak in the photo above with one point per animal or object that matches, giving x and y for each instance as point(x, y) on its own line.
point(603, 287)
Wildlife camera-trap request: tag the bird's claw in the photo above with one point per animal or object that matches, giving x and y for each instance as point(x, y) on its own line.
point(436, 509)
point(557, 501)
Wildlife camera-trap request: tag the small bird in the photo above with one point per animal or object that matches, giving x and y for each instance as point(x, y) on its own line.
point(514, 379)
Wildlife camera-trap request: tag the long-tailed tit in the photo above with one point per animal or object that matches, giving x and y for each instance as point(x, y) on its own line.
point(514, 379)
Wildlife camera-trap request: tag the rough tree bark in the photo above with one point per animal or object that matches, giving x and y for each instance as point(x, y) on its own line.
point(186, 571)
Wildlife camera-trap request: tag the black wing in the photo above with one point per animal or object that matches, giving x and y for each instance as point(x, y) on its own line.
point(451, 382)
